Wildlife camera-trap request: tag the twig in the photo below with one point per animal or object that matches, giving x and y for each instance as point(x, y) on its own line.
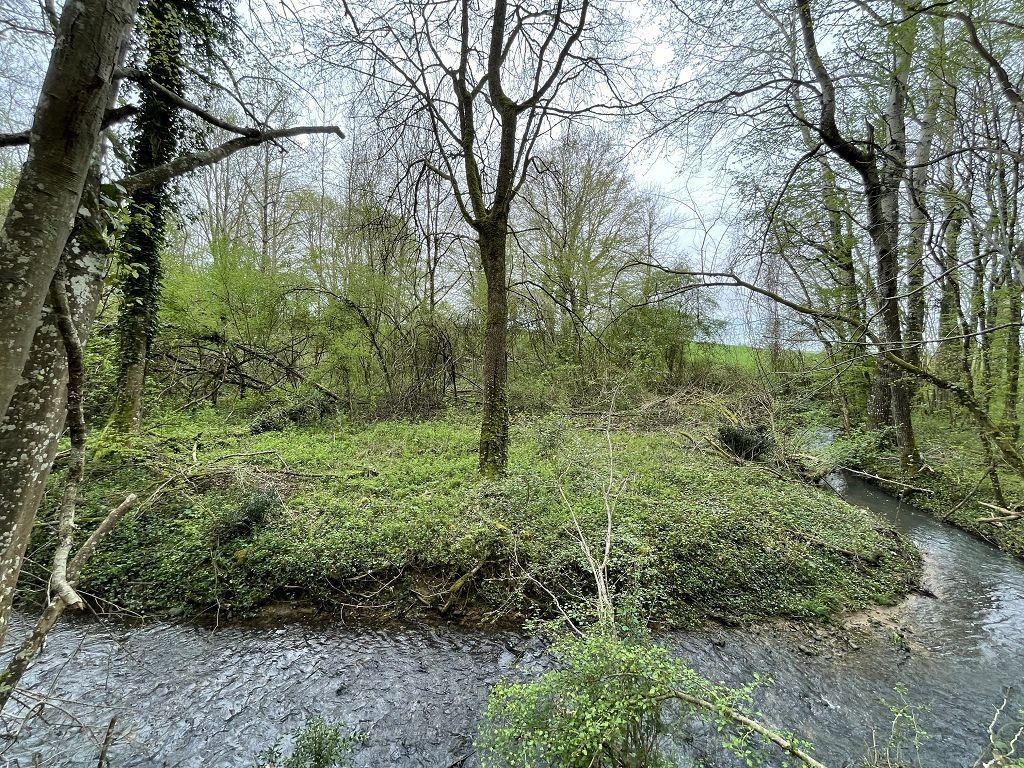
point(887, 480)
point(107, 741)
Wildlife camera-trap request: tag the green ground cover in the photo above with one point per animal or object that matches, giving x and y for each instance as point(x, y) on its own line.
point(391, 517)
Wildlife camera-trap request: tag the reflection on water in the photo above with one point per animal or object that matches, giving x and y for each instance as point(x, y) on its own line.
point(186, 696)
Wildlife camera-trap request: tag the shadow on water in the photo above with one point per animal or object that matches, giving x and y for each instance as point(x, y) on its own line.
point(186, 696)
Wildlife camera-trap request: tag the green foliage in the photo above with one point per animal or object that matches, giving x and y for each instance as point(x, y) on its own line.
point(101, 375)
point(901, 746)
point(376, 514)
point(8, 183)
point(317, 745)
point(859, 448)
point(239, 520)
point(602, 707)
point(955, 485)
point(348, 299)
point(613, 701)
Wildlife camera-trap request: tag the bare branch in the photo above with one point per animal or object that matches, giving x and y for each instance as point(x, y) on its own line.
point(195, 160)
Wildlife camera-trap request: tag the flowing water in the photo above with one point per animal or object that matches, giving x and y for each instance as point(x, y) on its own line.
point(188, 696)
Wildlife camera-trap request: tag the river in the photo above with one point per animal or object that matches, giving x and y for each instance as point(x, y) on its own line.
point(189, 696)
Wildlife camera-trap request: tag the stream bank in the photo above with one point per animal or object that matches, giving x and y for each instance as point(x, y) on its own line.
point(390, 520)
point(186, 696)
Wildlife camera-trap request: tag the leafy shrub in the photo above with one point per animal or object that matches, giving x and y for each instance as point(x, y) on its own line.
point(612, 702)
point(602, 707)
point(856, 449)
point(317, 745)
point(747, 443)
point(307, 410)
point(240, 520)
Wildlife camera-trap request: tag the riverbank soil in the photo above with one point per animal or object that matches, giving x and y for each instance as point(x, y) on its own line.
point(390, 519)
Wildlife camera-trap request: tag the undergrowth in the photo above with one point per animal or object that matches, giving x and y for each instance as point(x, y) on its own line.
point(613, 700)
point(390, 517)
point(318, 744)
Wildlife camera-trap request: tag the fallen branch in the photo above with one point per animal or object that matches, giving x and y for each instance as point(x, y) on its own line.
point(776, 738)
point(887, 480)
point(456, 589)
point(1006, 516)
point(289, 370)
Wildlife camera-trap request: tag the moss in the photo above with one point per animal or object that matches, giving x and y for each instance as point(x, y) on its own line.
point(392, 515)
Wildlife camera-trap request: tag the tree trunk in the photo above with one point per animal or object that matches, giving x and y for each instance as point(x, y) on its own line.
point(35, 418)
point(986, 379)
point(155, 144)
point(126, 415)
point(881, 175)
point(884, 218)
point(1011, 424)
point(880, 398)
point(917, 184)
point(949, 302)
point(495, 421)
point(65, 129)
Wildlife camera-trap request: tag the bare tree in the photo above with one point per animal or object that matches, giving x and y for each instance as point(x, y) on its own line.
point(882, 171)
point(888, 100)
point(487, 81)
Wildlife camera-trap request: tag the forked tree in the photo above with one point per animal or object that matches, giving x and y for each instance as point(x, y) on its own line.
point(487, 81)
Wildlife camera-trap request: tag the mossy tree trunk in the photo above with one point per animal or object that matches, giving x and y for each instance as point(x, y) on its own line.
point(156, 143)
point(1011, 422)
